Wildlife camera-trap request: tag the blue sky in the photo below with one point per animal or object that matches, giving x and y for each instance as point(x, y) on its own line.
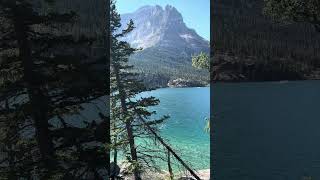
point(195, 13)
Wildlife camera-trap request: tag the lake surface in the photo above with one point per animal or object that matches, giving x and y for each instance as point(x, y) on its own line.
point(188, 109)
point(266, 131)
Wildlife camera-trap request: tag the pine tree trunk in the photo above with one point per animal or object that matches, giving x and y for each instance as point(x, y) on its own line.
point(115, 157)
point(169, 166)
point(108, 142)
point(37, 98)
point(129, 130)
point(169, 148)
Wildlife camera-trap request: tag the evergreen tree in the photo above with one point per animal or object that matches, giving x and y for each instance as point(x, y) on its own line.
point(294, 11)
point(201, 61)
point(249, 46)
point(126, 108)
point(46, 77)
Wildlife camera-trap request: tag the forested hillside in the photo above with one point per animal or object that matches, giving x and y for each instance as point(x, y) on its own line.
point(248, 45)
point(157, 67)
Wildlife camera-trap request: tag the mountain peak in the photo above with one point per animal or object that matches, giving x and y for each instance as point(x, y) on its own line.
point(169, 8)
point(148, 10)
point(158, 7)
point(162, 27)
point(144, 8)
point(168, 44)
point(173, 13)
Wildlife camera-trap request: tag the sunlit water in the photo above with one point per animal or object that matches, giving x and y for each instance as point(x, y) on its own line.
point(188, 109)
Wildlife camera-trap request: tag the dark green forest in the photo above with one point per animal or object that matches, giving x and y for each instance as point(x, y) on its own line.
point(254, 42)
point(52, 66)
point(157, 67)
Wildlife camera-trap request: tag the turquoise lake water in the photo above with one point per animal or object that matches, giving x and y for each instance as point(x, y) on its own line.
point(266, 131)
point(188, 109)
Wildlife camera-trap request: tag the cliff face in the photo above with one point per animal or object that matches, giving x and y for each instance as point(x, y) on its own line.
point(163, 28)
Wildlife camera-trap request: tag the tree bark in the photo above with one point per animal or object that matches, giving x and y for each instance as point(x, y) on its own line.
point(37, 98)
point(169, 166)
point(115, 155)
point(129, 130)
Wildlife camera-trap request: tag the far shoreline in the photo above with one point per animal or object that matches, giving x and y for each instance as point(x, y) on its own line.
point(234, 82)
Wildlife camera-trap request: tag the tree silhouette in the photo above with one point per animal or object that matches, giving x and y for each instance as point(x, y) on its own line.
point(47, 75)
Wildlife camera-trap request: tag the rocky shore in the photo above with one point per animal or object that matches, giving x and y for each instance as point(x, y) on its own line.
point(122, 170)
point(164, 175)
point(180, 83)
point(234, 69)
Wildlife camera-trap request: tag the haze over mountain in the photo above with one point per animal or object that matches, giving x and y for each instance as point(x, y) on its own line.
point(167, 43)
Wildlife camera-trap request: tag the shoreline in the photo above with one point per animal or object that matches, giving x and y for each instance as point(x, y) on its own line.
point(237, 82)
point(204, 174)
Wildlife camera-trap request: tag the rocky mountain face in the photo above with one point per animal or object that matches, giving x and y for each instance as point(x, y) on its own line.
point(168, 45)
point(164, 28)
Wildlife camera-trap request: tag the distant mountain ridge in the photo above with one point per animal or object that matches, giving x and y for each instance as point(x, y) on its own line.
point(168, 45)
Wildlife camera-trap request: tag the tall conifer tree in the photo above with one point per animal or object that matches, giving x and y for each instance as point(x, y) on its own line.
point(126, 107)
point(46, 77)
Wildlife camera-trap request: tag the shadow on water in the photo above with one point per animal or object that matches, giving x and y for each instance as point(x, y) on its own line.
point(266, 131)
